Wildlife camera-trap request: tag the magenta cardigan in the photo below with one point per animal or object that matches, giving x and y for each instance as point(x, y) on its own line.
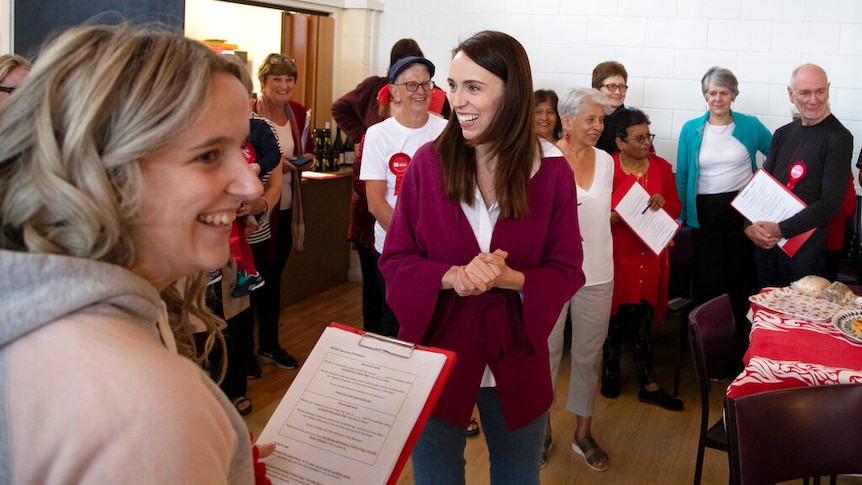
point(429, 234)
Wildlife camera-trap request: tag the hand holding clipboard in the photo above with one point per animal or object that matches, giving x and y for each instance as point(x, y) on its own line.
point(632, 204)
point(765, 199)
point(355, 410)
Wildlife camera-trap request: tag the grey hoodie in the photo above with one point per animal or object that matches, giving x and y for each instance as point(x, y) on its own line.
point(38, 289)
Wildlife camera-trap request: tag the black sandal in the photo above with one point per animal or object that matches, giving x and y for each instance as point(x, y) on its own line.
point(473, 428)
point(242, 404)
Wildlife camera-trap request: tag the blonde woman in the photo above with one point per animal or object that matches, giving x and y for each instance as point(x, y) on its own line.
point(121, 172)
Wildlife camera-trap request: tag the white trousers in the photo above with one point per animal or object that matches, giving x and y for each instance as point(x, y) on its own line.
point(590, 310)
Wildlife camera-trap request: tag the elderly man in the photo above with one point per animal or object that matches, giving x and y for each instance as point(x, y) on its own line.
point(811, 156)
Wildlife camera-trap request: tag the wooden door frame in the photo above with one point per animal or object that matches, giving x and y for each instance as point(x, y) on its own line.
point(310, 39)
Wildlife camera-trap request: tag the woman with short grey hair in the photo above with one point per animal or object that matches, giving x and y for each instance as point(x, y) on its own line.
point(582, 113)
point(716, 158)
point(719, 77)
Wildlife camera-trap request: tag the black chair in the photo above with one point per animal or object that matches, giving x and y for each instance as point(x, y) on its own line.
point(788, 434)
point(680, 302)
point(712, 340)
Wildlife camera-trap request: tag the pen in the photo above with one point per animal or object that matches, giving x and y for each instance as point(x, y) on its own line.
point(645, 209)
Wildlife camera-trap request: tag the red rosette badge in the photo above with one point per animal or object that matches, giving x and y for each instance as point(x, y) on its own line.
point(795, 173)
point(398, 165)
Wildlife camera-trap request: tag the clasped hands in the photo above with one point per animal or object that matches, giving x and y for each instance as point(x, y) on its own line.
point(483, 272)
point(764, 235)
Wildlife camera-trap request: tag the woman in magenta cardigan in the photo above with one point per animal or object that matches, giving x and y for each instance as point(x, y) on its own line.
point(487, 270)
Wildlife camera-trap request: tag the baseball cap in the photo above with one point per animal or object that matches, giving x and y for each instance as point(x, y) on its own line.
point(403, 64)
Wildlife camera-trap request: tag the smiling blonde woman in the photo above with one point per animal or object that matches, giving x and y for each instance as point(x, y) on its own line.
point(121, 172)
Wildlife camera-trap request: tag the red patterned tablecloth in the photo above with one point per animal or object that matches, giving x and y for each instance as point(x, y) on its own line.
point(790, 352)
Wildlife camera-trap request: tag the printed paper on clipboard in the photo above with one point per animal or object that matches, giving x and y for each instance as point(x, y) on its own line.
point(355, 410)
point(654, 228)
point(766, 199)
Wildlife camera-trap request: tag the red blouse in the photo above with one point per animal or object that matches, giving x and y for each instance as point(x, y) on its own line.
point(638, 273)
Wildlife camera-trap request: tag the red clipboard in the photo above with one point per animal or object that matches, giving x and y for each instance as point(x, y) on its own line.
point(451, 357)
point(621, 192)
point(791, 245)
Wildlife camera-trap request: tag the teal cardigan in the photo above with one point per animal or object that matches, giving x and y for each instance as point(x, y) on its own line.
point(749, 131)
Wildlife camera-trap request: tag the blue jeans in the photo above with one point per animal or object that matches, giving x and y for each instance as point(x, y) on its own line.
point(388, 321)
point(515, 456)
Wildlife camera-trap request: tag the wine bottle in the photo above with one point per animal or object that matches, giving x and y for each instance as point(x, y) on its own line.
point(327, 148)
point(318, 150)
point(338, 149)
point(349, 154)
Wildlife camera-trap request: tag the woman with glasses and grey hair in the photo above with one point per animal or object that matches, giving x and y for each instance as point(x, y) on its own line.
point(388, 148)
point(716, 158)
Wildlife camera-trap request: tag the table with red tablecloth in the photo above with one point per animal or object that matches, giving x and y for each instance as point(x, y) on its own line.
point(786, 351)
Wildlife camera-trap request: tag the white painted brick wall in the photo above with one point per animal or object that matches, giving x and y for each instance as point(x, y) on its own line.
point(666, 45)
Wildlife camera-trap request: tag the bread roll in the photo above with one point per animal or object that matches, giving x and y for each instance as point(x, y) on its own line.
point(839, 293)
point(810, 285)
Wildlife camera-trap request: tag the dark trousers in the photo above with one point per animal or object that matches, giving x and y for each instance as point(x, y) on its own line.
point(266, 301)
point(724, 258)
point(776, 269)
point(638, 319)
point(388, 322)
point(234, 383)
point(372, 298)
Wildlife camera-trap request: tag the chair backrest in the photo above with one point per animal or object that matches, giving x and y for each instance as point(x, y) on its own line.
point(788, 434)
point(712, 337)
point(681, 256)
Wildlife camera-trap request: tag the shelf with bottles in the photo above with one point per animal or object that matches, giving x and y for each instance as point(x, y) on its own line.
point(331, 153)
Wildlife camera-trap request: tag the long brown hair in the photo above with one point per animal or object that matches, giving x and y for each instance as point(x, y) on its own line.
point(510, 137)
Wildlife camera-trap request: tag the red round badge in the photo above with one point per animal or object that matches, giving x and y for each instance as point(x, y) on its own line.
point(795, 173)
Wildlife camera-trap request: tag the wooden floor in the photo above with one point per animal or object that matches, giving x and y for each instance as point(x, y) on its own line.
point(646, 444)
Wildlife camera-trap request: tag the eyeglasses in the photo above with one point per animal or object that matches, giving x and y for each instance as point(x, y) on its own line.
point(276, 59)
point(648, 138)
point(412, 86)
point(613, 87)
point(7, 89)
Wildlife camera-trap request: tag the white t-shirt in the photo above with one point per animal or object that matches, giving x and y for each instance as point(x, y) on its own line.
point(390, 145)
point(285, 142)
point(594, 219)
point(724, 163)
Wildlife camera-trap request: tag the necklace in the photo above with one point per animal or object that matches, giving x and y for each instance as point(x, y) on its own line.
point(638, 172)
point(718, 131)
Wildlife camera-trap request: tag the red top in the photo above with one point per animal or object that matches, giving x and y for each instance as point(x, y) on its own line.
point(836, 229)
point(638, 273)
